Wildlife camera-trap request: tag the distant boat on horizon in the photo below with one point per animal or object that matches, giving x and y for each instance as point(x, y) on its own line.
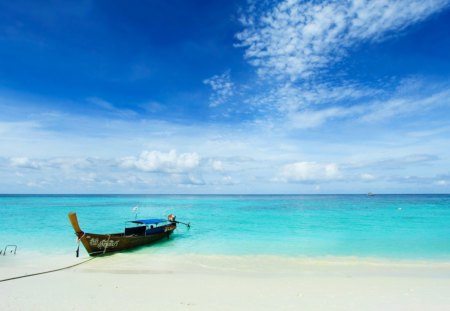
point(370, 194)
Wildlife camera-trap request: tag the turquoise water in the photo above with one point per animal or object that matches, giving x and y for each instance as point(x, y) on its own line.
point(384, 226)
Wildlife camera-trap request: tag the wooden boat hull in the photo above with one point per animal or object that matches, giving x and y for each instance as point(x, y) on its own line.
point(97, 244)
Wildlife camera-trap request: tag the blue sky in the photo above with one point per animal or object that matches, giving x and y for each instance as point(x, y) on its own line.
point(225, 96)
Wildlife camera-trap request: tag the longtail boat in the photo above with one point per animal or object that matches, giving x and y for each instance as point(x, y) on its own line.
point(144, 231)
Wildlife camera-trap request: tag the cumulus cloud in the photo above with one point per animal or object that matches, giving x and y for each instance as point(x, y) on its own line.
point(156, 161)
point(309, 172)
point(296, 39)
point(222, 88)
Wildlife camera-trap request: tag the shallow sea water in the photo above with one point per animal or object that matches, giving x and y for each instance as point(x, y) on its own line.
point(413, 227)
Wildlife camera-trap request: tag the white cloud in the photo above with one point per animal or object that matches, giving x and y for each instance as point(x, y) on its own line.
point(54, 163)
point(443, 183)
point(396, 161)
point(367, 177)
point(156, 161)
point(217, 165)
point(95, 157)
point(101, 103)
point(24, 162)
point(311, 118)
point(152, 107)
point(222, 88)
point(227, 180)
point(365, 110)
point(187, 179)
point(404, 105)
point(10, 127)
point(429, 131)
point(111, 108)
point(37, 184)
point(297, 39)
point(309, 172)
point(287, 98)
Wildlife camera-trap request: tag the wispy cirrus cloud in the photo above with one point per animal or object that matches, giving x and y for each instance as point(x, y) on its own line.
point(314, 118)
point(297, 39)
point(111, 108)
point(291, 44)
point(222, 88)
point(438, 180)
point(370, 109)
point(402, 104)
point(396, 162)
point(287, 97)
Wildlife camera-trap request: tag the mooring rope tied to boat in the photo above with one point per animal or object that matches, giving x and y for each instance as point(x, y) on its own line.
point(49, 271)
point(77, 252)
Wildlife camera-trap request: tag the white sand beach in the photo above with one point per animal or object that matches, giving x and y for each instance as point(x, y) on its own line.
point(193, 282)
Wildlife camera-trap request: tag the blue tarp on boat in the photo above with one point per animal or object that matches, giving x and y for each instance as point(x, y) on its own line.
point(150, 221)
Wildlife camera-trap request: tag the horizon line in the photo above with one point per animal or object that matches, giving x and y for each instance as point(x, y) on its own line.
point(209, 194)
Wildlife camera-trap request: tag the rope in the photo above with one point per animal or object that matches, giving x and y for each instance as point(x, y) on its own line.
point(49, 271)
point(77, 252)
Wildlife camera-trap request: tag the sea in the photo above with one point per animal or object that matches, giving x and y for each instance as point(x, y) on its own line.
point(404, 227)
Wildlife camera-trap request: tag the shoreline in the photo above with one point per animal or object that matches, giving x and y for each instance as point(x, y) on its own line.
point(37, 262)
point(199, 282)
